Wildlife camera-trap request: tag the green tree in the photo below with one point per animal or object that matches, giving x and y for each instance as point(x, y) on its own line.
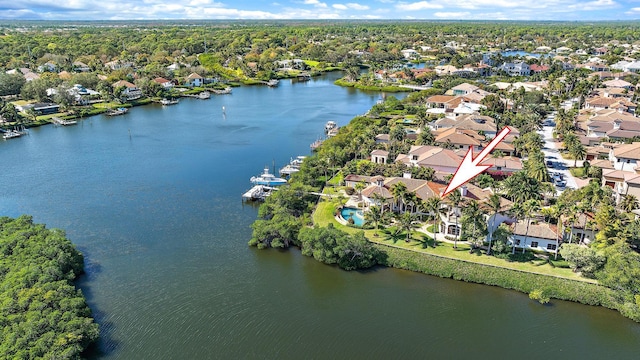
point(582, 259)
point(10, 84)
point(494, 206)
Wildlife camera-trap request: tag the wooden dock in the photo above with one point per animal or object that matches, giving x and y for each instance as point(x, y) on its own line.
point(59, 121)
point(258, 192)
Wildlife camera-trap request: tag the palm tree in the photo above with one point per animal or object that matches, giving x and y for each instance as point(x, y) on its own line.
point(578, 152)
point(531, 207)
point(494, 206)
point(473, 214)
point(517, 211)
point(453, 199)
point(380, 200)
point(374, 216)
point(433, 204)
point(359, 186)
point(406, 223)
point(398, 190)
point(629, 203)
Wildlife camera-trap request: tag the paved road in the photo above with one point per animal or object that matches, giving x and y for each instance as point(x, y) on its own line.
point(550, 150)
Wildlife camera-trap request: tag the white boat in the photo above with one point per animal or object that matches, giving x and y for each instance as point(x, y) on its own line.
point(204, 95)
point(273, 82)
point(118, 111)
point(168, 102)
point(224, 91)
point(330, 125)
point(10, 134)
point(267, 179)
point(293, 166)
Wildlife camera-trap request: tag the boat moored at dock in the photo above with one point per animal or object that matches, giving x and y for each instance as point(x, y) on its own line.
point(118, 111)
point(293, 166)
point(168, 101)
point(268, 179)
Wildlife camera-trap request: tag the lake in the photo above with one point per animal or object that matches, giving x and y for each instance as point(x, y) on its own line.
point(152, 199)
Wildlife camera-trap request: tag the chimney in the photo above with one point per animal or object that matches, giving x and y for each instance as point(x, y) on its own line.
point(406, 175)
point(616, 124)
point(463, 190)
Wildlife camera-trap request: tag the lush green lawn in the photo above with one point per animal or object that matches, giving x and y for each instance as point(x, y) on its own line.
point(420, 242)
point(337, 180)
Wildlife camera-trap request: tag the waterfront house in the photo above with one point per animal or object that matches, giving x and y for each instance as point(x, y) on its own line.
point(451, 220)
point(195, 80)
point(537, 235)
point(130, 91)
point(167, 84)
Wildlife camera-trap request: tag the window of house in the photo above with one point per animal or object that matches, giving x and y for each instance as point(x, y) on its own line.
point(499, 167)
point(551, 247)
point(517, 241)
point(414, 157)
point(534, 244)
point(628, 161)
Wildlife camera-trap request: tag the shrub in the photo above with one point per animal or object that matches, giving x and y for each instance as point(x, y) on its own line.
point(539, 296)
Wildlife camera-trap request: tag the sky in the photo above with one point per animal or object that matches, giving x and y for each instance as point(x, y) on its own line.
point(318, 9)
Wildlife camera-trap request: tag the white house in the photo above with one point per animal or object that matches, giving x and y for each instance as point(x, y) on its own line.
point(379, 156)
point(519, 68)
point(410, 54)
point(539, 236)
point(130, 91)
point(625, 157)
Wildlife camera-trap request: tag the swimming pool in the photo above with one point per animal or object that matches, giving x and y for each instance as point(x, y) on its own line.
point(353, 213)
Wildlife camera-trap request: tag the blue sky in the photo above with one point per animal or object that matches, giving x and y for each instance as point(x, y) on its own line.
point(318, 9)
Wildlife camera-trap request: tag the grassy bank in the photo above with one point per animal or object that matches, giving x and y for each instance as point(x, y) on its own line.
point(554, 287)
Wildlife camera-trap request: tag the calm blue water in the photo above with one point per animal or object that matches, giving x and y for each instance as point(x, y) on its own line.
point(152, 198)
point(352, 213)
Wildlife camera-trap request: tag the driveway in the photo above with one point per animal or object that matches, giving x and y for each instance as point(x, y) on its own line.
point(551, 151)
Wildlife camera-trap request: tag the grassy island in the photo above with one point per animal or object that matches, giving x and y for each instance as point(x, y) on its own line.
point(43, 315)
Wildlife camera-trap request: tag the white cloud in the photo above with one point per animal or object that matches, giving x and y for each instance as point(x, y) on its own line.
point(352, 6)
point(315, 3)
point(633, 11)
point(420, 5)
point(356, 6)
point(451, 14)
point(594, 5)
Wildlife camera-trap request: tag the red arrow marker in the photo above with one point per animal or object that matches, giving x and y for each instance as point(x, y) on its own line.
point(470, 167)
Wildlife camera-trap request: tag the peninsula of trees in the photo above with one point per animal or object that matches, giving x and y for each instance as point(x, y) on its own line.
point(42, 314)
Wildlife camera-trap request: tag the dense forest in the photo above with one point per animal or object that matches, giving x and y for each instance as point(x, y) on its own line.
point(42, 314)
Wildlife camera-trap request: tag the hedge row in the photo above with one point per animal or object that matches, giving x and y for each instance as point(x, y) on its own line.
point(554, 287)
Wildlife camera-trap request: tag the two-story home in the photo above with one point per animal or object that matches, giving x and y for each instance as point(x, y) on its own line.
point(130, 91)
point(79, 66)
point(167, 84)
point(459, 139)
point(519, 68)
point(441, 160)
point(625, 157)
point(195, 80)
point(463, 89)
point(537, 235)
point(622, 182)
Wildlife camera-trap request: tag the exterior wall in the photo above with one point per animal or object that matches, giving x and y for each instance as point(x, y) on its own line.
point(534, 243)
point(379, 159)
